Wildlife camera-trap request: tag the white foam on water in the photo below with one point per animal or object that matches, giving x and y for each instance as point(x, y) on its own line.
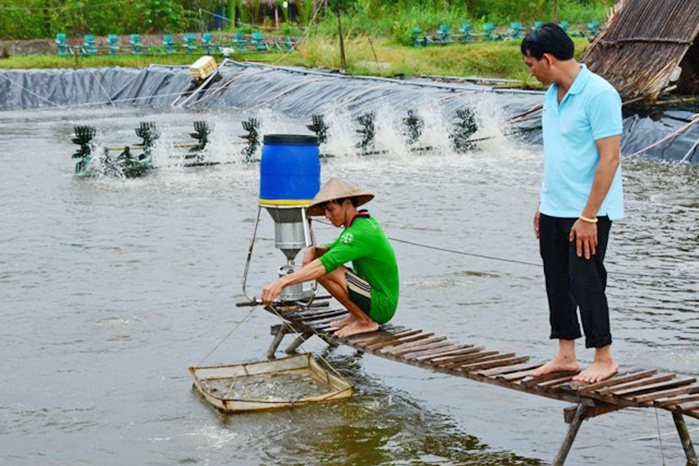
point(214, 437)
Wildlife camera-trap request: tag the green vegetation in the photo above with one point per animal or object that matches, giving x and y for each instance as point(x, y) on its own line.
point(365, 55)
point(377, 32)
point(379, 57)
point(43, 19)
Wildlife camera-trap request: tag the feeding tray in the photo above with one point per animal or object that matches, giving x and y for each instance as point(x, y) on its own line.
point(278, 383)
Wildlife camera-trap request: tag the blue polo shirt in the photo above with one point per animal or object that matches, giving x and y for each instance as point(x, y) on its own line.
point(590, 110)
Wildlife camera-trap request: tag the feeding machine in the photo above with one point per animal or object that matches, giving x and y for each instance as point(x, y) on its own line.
point(289, 179)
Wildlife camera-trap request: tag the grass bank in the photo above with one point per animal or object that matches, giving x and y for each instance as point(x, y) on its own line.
point(365, 55)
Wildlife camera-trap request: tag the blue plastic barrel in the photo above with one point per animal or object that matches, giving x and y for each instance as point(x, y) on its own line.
point(289, 169)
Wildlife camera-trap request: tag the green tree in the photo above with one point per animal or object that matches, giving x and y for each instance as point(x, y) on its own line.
point(161, 15)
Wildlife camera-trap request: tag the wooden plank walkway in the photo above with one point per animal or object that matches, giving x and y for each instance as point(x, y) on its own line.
point(631, 387)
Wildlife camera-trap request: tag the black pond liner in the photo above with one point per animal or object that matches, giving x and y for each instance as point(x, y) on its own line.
point(300, 92)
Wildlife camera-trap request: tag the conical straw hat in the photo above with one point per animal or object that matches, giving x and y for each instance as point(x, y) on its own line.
point(335, 188)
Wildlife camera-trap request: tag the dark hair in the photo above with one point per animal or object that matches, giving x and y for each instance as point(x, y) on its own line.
point(339, 201)
point(549, 38)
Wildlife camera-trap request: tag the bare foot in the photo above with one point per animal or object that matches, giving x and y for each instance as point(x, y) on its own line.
point(357, 327)
point(598, 371)
point(557, 364)
point(342, 323)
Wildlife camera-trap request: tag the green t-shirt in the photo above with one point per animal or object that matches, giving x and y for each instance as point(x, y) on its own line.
point(365, 244)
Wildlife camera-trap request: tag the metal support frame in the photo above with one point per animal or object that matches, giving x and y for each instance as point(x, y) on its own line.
point(685, 439)
point(570, 436)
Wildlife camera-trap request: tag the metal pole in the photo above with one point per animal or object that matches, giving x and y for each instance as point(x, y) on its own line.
point(685, 438)
point(247, 262)
point(570, 436)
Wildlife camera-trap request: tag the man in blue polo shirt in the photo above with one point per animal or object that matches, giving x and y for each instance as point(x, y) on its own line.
point(580, 197)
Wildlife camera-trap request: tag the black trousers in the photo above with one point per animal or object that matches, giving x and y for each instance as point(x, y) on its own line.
point(575, 282)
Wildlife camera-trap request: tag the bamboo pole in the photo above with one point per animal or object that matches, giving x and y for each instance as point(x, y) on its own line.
point(685, 438)
point(570, 436)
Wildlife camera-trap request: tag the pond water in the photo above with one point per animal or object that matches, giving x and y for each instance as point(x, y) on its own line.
point(111, 288)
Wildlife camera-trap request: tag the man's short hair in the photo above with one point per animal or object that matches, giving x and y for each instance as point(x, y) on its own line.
point(549, 38)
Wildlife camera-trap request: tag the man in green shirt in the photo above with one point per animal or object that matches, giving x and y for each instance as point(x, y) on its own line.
point(370, 291)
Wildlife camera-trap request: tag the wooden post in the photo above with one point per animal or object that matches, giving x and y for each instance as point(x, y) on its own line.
point(233, 7)
point(278, 331)
point(555, 11)
point(298, 342)
point(570, 436)
point(343, 62)
point(685, 438)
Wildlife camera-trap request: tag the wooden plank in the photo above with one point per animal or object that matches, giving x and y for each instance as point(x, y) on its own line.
point(377, 343)
point(499, 363)
point(445, 351)
point(527, 366)
point(325, 329)
point(319, 319)
point(374, 337)
point(689, 406)
point(403, 346)
point(402, 341)
point(591, 412)
point(633, 387)
point(300, 314)
point(669, 402)
point(472, 349)
point(686, 390)
point(532, 381)
point(639, 383)
point(370, 336)
point(321, 315)
point(564, 378)
point(618, 379)
point(425, 349)
point(322, 321)
point(417, 346)
point(564, 386)
point(410, 337)
point(457, 360)
point(430, 349)
point(382, 332)
point(672, 383)
point(515, 376)
point(467, 365)
point(275, 329)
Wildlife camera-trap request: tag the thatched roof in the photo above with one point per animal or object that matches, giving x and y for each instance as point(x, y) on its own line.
point(642, 44)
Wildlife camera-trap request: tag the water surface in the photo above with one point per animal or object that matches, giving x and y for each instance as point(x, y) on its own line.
point(112, 287)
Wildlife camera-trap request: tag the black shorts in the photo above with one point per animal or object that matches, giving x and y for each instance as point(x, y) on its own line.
point(359, 291)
